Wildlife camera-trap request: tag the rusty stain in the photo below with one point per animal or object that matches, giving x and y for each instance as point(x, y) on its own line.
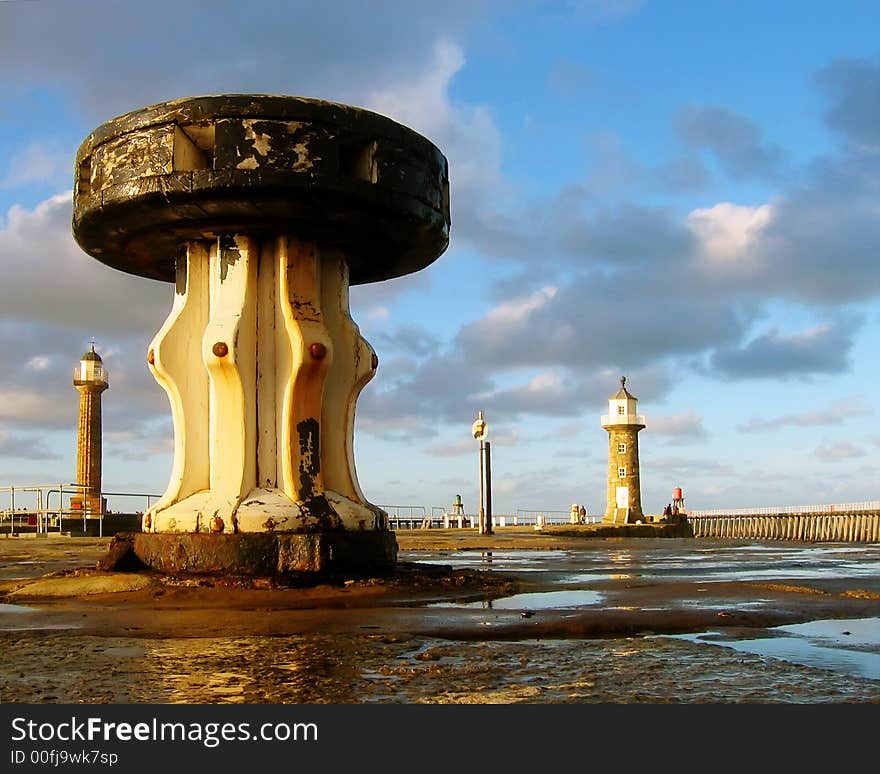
point(220, 349)
point(305, 310)
point(172, 524)
point(320, 513)
point(317, 350)
point(148, 521)
point(362, 525)
point(269, 524)
point(217, 523)
point(151, 357)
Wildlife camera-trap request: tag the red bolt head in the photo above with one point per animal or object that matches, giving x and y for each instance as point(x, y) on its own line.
point(317, 350)
point(220, 349)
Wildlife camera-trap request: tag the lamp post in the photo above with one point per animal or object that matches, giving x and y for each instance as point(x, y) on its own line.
point(480, 430)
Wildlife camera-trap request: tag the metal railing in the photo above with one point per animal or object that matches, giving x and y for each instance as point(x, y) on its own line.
point(41, 517)
point(528, 517)
point(418, 517)
point(97, 374)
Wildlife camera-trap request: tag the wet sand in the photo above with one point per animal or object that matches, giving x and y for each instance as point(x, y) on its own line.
point(426, 634)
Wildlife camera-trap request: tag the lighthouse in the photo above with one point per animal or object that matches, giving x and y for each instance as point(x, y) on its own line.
point(90, 380)
point(624, 501)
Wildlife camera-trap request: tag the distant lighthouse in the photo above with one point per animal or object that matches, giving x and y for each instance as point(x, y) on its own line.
point(90, 380)
point(624, 502)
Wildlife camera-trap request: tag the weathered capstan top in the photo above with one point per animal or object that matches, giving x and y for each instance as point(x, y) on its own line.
point(197, 167)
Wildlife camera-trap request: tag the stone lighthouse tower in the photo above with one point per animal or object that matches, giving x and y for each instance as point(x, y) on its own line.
point(90, 380)
point(624, 502)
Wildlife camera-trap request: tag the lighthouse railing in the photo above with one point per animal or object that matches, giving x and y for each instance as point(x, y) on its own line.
point(96, 374)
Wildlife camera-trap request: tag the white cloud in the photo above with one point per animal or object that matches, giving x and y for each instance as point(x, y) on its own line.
point(38, 363)
point(686, 426)
point(25, 447)
point(517, 310)
point(57, 283)
point(377, 313)
point(23, 407)
point(466, 134)
point(842, 450)
point(728, 233)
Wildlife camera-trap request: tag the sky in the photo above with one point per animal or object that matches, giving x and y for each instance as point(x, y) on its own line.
point(686, 193)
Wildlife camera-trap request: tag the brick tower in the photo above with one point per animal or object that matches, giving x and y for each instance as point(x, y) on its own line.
point(90, 380)
point(624, 502)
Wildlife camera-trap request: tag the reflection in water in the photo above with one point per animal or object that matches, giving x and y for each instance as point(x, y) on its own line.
point(682, 560)
point(349, 668)
point(849, 646)
point(819, 662)
point(539, 600)
point(15, 609)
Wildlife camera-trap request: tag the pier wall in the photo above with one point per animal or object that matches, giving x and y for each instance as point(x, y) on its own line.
point(854, 525)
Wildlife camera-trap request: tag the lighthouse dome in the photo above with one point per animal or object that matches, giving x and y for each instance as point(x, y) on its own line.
point(623, 393)
point(92, 355)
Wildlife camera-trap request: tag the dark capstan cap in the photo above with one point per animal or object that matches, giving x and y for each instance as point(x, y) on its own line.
point(261, 165)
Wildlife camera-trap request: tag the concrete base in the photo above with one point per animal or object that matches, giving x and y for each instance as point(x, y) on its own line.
point(265, 553)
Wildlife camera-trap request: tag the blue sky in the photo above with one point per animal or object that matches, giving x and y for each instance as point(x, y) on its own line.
point(683, 192)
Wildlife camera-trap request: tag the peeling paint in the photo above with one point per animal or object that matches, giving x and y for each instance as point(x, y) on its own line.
point(229, 254)
point(249, 163)
point(309, 432)
point(260, 139)
point(180, 273)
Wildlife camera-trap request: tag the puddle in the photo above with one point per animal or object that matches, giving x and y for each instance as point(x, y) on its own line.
point(848, 632)
point(6, 608)
point(131, 651)
point(850, 646)
point(595, 577)
point(40, 628)
point(539, 600)
point(702, 604)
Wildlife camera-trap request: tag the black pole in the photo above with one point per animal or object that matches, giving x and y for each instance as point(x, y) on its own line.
point(482, 523)
point(488, 489)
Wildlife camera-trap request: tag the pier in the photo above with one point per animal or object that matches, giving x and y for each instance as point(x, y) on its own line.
point(847, 522)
